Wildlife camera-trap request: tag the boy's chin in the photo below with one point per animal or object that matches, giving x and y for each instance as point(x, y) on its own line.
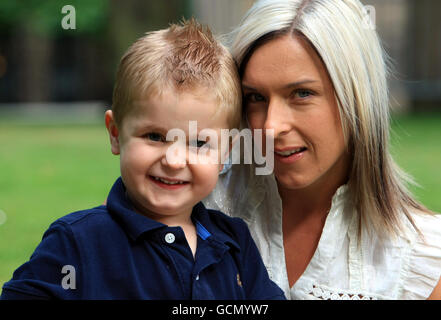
point(166, 211)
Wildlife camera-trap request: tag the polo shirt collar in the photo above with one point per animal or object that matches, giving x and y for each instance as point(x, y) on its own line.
point(135, 224)
point(120, 207)
point(201, 216)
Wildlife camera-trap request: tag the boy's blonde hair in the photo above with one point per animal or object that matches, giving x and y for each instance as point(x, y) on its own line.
point(185, 56)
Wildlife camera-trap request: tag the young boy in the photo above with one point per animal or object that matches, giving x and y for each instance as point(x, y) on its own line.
point(154, 239)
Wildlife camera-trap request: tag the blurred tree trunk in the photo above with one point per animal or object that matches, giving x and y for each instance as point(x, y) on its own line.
point(130, 20)
point(424, 53)
point(221, 15)
point(34, 70)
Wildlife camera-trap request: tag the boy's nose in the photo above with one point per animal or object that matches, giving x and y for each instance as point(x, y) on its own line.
point(175, 159)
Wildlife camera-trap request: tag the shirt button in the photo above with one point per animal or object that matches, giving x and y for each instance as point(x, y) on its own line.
point(197, 277)
point(169, 238)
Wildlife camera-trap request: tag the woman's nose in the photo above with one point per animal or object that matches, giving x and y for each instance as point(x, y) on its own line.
point(277, 118)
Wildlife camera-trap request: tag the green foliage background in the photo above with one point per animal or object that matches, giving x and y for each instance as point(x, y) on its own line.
point(43, 17)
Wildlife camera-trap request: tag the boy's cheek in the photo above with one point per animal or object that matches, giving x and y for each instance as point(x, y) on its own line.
point(207, 181)
point(129, 145)
point(132, 153)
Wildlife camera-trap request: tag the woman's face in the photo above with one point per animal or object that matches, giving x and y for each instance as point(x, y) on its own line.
point(287, 89)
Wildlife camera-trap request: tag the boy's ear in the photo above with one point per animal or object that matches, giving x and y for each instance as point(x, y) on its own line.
point(113, 131)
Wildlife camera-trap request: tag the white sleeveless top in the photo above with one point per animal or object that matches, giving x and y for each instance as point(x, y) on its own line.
point(405, 268)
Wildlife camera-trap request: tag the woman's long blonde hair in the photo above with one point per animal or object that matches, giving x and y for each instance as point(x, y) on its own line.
point(342, 34)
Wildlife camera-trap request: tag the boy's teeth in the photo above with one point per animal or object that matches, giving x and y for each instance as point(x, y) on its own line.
point(167, 181)
point(289, 152)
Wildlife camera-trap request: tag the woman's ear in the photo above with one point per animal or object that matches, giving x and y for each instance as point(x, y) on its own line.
point(113, 131)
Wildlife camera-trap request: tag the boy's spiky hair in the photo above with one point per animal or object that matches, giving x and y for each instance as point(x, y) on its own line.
point(184, 56)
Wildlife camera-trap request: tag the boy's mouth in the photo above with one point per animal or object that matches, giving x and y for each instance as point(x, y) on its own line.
point(167, 182)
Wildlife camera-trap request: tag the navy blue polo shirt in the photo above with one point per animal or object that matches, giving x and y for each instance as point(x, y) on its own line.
point(112, 252)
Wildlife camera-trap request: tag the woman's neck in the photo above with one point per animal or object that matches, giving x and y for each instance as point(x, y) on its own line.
point(304, 215)
point(312, 200)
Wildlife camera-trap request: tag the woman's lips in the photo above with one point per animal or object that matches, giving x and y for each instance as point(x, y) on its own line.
point(289, 154)
point(168, 183)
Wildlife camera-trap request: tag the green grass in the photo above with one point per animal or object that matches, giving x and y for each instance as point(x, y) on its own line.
point(47, 171)
point(416, 147)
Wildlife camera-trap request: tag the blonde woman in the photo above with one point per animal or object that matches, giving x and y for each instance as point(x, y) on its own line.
point(335, 219)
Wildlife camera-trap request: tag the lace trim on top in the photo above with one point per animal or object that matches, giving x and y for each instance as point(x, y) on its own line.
point(325, 293)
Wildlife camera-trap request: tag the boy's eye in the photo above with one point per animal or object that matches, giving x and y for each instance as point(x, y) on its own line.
point(254, 97)
point(200, 143)
point(153, 136)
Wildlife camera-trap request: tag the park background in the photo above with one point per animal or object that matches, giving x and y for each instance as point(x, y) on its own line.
point(55, 85)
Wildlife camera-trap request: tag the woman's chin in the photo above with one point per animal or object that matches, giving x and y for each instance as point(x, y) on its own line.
point(292, 183)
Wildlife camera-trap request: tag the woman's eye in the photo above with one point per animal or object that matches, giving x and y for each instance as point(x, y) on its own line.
point(254, 97)
point(302, 93)
point(153, 136)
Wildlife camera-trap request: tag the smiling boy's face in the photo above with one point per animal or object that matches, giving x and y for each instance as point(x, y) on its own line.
point(159, 188)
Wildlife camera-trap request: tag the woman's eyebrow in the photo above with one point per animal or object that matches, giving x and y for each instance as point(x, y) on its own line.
point(287, 86)
point(299, 83)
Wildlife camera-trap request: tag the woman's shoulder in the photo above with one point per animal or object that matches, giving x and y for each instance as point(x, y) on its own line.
point(424, 264)
point(428, 228)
